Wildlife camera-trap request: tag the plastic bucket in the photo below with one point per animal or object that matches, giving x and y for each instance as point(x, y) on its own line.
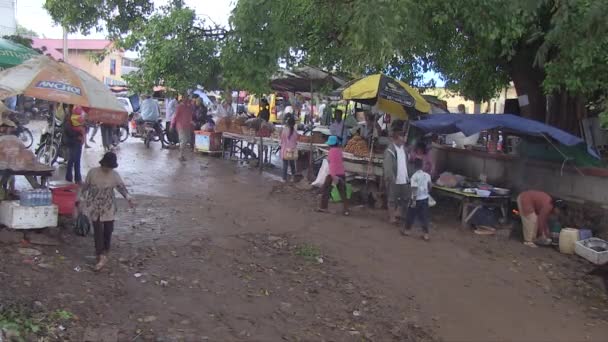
point(64, 197)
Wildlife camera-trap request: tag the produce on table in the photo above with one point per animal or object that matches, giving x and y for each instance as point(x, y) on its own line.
point(266, 129)
point(14, 155)
point(223, 124)
point(357, 146)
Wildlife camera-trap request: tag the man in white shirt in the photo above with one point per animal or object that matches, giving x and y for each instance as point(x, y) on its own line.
point(419, 208)
point(170, 107)
point(396, 177)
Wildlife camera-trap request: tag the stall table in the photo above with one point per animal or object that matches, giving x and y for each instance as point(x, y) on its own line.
point(470, 201)
point(31, 175)
point(237, 142)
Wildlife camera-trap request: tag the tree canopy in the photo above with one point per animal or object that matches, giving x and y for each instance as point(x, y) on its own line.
point(554, 51)
point(546, 47)
point(173, 51)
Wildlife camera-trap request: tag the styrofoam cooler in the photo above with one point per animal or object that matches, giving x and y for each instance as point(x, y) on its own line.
point(15, 216)
point(207, 141)
point(584, 249)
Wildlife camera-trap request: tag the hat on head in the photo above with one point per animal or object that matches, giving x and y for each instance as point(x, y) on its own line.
point(109, 160)
point(332, 140)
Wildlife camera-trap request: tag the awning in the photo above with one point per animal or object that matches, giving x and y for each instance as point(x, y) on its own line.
point(305, 79)
point(470, 124)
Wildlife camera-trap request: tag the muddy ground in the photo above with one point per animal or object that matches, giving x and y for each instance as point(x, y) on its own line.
point(217, 251)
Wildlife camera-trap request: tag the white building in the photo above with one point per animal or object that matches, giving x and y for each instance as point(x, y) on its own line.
point(8, 23)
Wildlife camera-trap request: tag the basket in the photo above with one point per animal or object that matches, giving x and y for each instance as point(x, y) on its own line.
point(248, 131)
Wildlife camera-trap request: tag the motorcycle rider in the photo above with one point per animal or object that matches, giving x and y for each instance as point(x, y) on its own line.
point(150, 113)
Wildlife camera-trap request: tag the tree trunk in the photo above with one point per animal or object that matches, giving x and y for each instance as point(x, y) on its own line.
point(560, 109)
point(527, 80)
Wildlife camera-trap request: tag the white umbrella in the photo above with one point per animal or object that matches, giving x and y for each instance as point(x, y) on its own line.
point(44, 78)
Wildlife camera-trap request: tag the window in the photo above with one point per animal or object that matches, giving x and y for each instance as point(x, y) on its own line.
point(112, 67)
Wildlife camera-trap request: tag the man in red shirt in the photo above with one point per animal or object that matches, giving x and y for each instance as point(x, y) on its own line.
point(536, 208)
point(183, 122)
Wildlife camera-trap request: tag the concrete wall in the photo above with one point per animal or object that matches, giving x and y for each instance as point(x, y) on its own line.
point(519, 174)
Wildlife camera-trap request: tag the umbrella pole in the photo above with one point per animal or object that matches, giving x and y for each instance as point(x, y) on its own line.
point(312, 126)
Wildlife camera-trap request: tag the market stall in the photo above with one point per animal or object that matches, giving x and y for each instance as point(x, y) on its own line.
point(475, 192)
point(390, 99)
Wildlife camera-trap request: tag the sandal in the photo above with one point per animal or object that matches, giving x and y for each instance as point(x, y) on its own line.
point(319, 210)
point(346, 213)
point(530, 244)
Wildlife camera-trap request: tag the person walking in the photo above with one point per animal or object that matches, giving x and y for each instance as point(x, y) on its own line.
point(289, 147)
point(183, 122)
point(107, 137)
point(74, 137)
point(337, 176)
point(419, 205)
point(264, 112)
point(170, 108)
point(98, 203)
point(396, 177)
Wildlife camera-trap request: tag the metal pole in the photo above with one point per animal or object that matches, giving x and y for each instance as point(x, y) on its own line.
point(65, 44)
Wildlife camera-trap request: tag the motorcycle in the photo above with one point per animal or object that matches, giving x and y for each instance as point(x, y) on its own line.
point(22, 132)
point(146, 130)
point(25, 135)
point(52, 145)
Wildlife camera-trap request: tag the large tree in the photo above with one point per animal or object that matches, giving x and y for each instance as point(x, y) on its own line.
point(545, 47)
point(177, 49)
point(174, 51)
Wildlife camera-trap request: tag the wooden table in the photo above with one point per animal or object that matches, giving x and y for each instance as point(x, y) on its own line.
point(469, 201)
point(30, 175)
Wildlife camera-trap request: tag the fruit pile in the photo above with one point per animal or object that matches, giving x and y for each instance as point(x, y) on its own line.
point(357, 146)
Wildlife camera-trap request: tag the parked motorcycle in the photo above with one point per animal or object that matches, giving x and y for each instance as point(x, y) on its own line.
point(22, 132)
point(52, 145)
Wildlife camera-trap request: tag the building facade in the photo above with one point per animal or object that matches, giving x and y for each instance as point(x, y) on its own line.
point(8, 23)
point(98, 57)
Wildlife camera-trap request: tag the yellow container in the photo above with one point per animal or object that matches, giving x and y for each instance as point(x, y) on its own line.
point(567, 240)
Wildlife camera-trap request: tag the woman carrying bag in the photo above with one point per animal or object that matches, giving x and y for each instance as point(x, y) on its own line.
point(99, 203)
point(289, 147)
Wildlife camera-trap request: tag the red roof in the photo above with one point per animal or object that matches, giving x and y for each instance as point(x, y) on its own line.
point(54, 47)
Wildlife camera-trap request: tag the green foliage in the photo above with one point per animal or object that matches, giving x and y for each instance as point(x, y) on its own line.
point(24, 324)
point(117, 16)
point(174, 51)
point(308, 252)
point(476, 45)
point(21, 40)
point(25, 32)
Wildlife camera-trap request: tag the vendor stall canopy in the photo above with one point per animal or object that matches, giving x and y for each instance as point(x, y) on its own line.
point(44, 78)
point(305, 79)
point(12, 54)
point(387, 94)
point(470, 124)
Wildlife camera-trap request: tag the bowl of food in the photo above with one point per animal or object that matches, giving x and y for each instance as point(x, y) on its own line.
point(501, 191)
point(483, 193)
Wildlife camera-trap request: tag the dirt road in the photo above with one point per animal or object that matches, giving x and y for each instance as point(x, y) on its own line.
point(216, 251)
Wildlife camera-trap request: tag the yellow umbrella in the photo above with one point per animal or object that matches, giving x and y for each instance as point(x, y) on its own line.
point(387, 94)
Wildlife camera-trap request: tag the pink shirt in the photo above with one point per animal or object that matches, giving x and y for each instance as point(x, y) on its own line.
point(288, 142)
point(336, 164)
point(183, 117)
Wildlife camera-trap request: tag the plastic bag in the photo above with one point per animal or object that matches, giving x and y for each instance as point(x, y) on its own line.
point(82, 227)
point(323, 172)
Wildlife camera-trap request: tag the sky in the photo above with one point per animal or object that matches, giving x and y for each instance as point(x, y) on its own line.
point(32, 15)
